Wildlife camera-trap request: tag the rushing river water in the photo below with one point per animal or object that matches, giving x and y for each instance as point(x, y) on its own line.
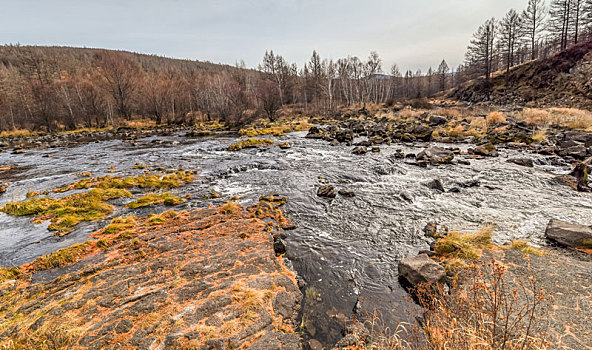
point(347, 249)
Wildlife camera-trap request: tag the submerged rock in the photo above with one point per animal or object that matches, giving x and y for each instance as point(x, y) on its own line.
point(436, 185)
point(569, 235)
point(421, 269)
point(347, 192)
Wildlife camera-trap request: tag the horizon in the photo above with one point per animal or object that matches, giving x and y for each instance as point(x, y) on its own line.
point(230, 31)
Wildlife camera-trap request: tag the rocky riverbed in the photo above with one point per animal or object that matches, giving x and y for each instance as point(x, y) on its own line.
point(349, 237)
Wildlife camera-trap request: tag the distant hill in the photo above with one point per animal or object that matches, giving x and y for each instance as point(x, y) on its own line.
point(74, 58)
point(562, 80)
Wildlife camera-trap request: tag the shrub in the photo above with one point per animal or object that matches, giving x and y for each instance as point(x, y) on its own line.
point(486, 310)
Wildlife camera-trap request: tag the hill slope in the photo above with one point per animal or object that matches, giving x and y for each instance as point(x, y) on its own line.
point(562, 80)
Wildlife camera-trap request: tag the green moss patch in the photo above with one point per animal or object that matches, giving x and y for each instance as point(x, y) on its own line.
point(160, 219)
point(156, 198)
point(62, 257)
point(146, 181)
point(249, 143)
point(67, 212)
point(118, 225)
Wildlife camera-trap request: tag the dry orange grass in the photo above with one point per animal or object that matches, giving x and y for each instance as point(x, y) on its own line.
point(496, 118)
point(140, 123)
point(567, 117)
point(455, 113)
point(409, 113)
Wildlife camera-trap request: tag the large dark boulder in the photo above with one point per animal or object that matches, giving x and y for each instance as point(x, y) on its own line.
point(436, 120)
point(421, 269)
point(569, 235)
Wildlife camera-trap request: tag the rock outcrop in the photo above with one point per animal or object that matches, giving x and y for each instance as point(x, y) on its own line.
point(421, 269)
point(206, 279)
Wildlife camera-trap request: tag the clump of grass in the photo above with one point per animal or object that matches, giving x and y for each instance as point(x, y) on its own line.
point(160, 219)
point(9, 273)
point(467, 246)
point(249, 143)
point(496, 118)
point(118, 225)
point(211, 126)
point(539, 135)
point(69, 211)
point(62, 257)
point(527, 248)
point(155, 198)
point(230, 208)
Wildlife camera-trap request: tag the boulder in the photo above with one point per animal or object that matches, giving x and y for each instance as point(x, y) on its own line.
point(487, 150)
point(326, 191)
point(436, 120)
point(522, 162)
point(436, 155)
point(421, 269)
point(569, 235)
point(314, 133)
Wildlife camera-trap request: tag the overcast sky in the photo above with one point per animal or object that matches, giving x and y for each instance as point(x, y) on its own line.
point(412, 33)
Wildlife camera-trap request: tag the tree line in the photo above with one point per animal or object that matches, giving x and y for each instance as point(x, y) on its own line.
point(51, 88)
point(539, 31)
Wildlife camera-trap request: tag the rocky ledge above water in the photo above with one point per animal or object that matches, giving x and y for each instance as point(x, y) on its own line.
point(206, 279)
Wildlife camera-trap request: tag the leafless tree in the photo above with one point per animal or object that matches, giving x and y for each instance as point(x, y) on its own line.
point(533, 21)
point(510, 33)
point(481, 50)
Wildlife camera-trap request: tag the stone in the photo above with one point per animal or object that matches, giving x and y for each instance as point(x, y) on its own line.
point(327, 191)
point(375, 149)
point(430, 229)
point(436, 156)
point(334, 143)
point(360, 150)
point(421, 269)
point(569, 235)
point(436, 185)
point(522, 162)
